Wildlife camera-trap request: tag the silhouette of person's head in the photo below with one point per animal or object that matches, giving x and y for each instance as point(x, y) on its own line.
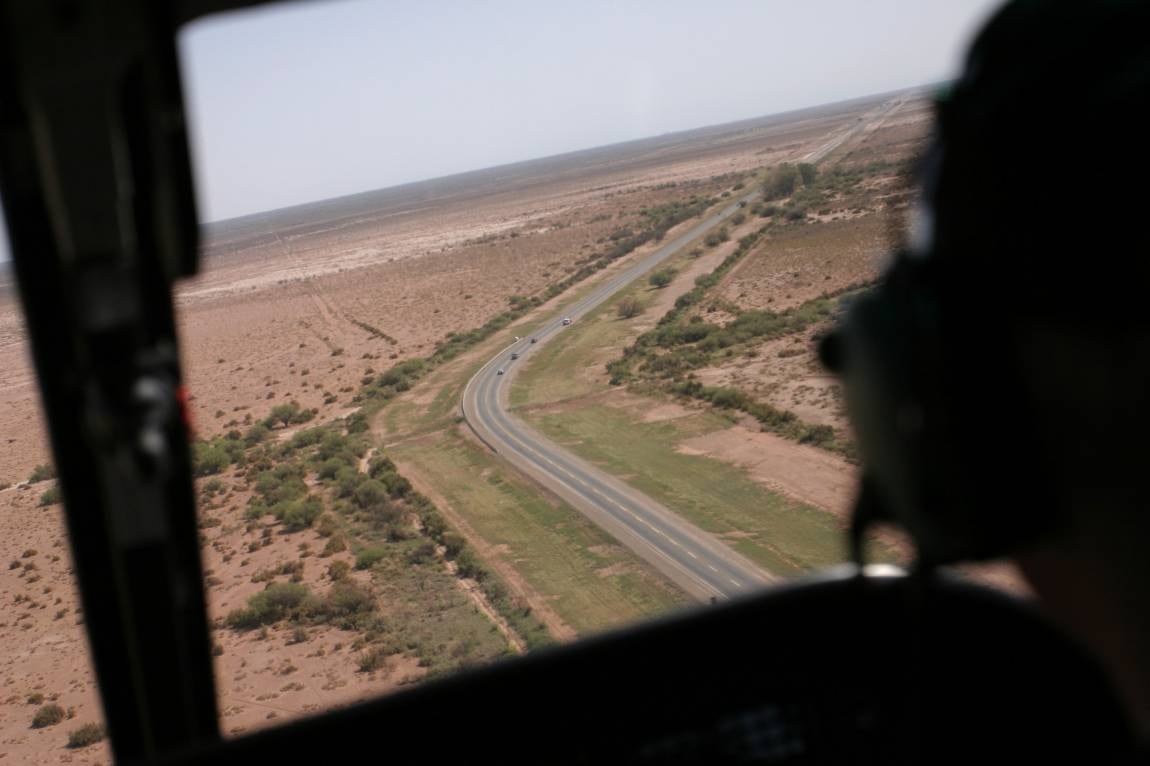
point(1020, 417)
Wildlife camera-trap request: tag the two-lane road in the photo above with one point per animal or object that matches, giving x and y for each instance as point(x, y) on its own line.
point(690, 557)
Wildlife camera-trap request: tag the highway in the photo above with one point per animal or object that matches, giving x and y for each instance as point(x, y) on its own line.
point(695, 560)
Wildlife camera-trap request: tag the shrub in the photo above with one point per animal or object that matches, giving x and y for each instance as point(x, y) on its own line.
point(210, 458)
point(335, 544)
point(88, 734)
point(329, 468)
point(35, 698)
point(48, 715)
point(781, 182)
point(338, 570)
point(300, 514)
point(373, 659)
point(661, 278)
point(467, 565)
point(347, 603)
point(808, 172)
point(356, 423)
point(307, 437)
point(326, 526)
point(42, 472)
point(716, 237)
point(369, 556)
point(256, 434)
point(332, 445)
point(738, 218)
point(453, 544)
point(50, 496)
point(276, 602)
point(628, 308)
point(289, 414)
point(422, 553)
point(370, 492)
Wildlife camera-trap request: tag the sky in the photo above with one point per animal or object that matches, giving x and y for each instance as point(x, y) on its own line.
point(310, 100)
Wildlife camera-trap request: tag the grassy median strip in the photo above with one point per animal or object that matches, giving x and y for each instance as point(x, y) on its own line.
point(783, 536)
point(590, 581)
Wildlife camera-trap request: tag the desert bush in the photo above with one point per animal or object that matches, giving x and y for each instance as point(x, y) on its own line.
point(256, 434)
point(808, 172)
point(738, 218)
point(781, 182)
point(338, 570)
point(370, 492)
point(48, 715)
point(716, 237)
point(333, 445)
point(276, 602)
point(373, 659)
point(326, 525)
point(629, 307)
point(329, 468)
point(347, 479)
point(453, 544)
point(369, 556)
point(300, 514)
point(50, 496)
point(88, 734)
point(288, 414)
point(307, 437)
point(210, 458)
point(347, 605)
point(467, 565)
point(796, 213)
point(661, 278)
point(42, 472)
point(335, 544)
point(422, 553)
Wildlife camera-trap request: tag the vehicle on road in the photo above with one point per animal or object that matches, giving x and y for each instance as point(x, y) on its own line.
point(566, 320)
point(515, 355)
point(742, 203)
point(500, 372)
point(532, 340)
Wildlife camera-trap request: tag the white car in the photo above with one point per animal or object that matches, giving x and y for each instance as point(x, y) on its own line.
point(515, 355)
point(499, 373)
point(566, 320)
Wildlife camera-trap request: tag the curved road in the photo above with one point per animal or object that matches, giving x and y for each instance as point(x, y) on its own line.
point(690, 557)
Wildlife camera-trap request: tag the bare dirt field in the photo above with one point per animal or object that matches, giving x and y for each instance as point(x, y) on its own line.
point(305, 304)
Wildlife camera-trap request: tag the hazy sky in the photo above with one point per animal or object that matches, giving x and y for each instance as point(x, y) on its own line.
point(311, 100)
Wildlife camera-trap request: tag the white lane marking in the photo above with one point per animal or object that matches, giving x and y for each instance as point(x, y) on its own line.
point(511, 437)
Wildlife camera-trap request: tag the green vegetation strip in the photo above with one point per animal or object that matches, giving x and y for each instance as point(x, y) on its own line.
point(664, 358)
point(412, 605)
point(783, 536)
point(590, 581)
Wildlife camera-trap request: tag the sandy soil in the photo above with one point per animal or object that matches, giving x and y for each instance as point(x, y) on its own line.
point(807, 474)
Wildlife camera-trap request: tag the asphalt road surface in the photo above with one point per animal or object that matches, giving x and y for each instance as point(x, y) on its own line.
point(690, 557)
